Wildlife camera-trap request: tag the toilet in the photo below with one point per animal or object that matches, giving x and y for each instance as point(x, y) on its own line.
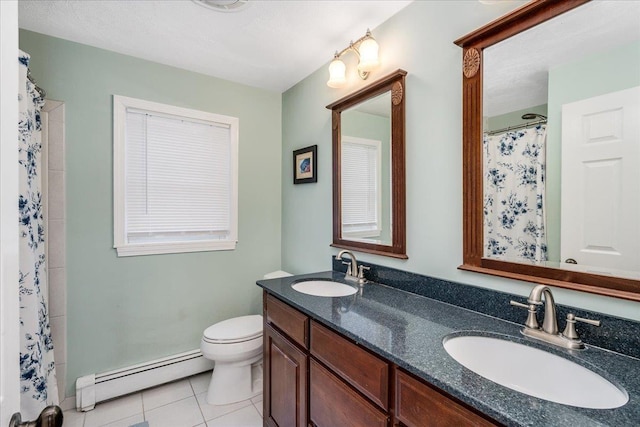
point(235, 345)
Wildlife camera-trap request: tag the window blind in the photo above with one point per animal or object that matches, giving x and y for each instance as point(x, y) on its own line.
point(178, 179)
point(361, 192)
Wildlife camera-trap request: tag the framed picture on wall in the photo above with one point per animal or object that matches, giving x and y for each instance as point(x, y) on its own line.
point(305, 165)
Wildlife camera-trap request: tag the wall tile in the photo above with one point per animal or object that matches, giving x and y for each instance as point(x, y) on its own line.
point(57, 245)
point(59, 336)
point(57, 292)
point(55, 203)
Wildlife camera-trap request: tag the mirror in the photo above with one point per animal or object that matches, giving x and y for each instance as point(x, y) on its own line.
point(365, 154)
point(551, 104)
point(368, 168)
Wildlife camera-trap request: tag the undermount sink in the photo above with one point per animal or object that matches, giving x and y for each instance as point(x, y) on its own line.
point(324, 288)
point(534, 372)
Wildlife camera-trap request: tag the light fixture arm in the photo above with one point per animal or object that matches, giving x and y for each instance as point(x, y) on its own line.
point(353, 46)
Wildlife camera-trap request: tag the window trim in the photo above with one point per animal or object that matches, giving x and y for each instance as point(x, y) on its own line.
point(123, 248)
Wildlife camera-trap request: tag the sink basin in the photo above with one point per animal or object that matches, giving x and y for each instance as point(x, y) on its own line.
point(534, 372)
point(324, 288)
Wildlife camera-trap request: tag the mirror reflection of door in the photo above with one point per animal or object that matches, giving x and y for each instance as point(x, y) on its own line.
point(366, 171)
point(601, 169)
point(535, 73)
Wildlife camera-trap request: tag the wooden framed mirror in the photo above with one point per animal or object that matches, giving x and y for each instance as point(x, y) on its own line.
point(588, 53)
point(368, 140)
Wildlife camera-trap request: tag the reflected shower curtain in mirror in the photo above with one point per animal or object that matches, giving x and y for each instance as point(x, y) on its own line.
point(38, 386)
point(514, 195)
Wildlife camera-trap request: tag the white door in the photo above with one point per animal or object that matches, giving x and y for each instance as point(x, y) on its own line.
point(601, 182)
point(9, 317)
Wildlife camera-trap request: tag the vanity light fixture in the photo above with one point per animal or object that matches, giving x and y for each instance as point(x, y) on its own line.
point(366, 48)
point(224, 5)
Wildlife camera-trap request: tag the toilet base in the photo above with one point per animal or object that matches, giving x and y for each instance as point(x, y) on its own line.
point(231, 382)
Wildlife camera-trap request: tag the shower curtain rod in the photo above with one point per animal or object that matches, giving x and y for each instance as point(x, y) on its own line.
point(42, 92)
point(522, 126)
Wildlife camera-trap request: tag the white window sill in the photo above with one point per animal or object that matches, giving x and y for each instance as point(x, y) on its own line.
point(173, 248)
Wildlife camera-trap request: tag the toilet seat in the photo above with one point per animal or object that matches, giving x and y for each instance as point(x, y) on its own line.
point(236, 330)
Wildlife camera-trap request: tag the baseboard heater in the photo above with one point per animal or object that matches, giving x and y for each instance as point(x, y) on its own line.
point(95, 388)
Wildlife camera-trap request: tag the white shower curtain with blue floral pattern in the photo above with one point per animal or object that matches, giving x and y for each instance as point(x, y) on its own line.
point(38, 386)
point(514, 195)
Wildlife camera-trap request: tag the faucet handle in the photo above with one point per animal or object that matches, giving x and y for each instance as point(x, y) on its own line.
point(361, 269)
point(570, 329)
point(518, 304)
point(532, 321)
point(348, 264)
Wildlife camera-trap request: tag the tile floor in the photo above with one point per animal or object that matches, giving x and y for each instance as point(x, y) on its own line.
point(178, 404)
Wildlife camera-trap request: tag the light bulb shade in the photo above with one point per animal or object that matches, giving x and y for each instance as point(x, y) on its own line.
point(337, 73)
point(368, 54)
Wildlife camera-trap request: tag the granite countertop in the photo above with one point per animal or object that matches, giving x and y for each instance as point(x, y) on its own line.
point(408, 330)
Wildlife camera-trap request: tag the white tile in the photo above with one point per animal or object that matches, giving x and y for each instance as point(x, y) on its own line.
point(55, 202)
point(61, 372)
point(126, 422)
point(256, 399)
point(259, 407)
point(59, 336)
point(214, 411)
point(72, 418)
point(183, 413)
point(167, 393)
point(114, 410)
point(57, 245)
point(56, 143)
point(57, 292)
point(68, 403)
point(200, 382)
point(245, 417)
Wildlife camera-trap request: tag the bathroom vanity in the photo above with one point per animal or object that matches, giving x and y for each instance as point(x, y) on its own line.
point(376, 358)
point(347, 383)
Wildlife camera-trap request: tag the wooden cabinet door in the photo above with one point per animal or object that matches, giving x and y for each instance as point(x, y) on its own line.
point(421, 405)
point(285, 382)
point(332, 403)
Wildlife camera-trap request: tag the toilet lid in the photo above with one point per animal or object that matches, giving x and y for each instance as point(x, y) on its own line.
point(236, 329)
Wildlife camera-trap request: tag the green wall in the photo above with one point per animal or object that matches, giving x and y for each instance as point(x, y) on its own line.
point(598, 74)
point(123, 311)
point(513, 118)
point(418, 39)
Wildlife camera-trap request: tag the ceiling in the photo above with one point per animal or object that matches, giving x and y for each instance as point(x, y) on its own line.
point(516, 70)
point(270, 44)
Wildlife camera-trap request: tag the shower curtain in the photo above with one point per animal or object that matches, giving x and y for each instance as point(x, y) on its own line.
point(514, 195)
point(38, 386)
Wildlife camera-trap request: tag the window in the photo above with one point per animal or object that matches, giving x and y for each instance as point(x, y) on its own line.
point(361, 187)
point(175, 179)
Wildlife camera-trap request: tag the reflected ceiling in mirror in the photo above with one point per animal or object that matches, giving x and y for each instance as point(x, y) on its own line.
point(578, 63)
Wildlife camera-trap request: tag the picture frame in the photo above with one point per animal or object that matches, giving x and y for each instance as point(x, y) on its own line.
point(305, 165)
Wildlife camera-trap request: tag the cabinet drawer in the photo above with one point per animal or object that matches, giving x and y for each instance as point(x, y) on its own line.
point(288, 320)
point(333, 403)
point(364, 371)
point(420, 405)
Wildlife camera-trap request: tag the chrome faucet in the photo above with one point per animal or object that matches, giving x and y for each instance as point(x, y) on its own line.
point(354, 273)
point(549, 331)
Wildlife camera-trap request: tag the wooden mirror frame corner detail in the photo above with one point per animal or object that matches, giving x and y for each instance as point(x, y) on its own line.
point(473, 44)
point(395, 84)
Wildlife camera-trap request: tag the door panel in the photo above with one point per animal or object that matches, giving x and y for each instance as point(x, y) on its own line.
point(285, 379)
point(601, 182)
